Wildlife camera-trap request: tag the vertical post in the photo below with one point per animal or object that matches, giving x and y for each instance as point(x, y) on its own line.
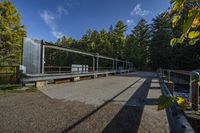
point(97, 62)
point(42, 57)
point(190, 93)
point(168, 75)
point(195, 92)
point(93, 64)
point(59, 69)
point(113, 65)
point(116, 64)
point(126, 65)
point(123, 65)
point(22, 51)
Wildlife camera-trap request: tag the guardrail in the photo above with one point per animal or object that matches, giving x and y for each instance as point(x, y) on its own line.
point(41, 80)
point(178, 123)
point(73, 69)
point(185, 77)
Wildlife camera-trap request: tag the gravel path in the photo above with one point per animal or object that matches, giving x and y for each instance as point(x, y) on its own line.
point(123, 107)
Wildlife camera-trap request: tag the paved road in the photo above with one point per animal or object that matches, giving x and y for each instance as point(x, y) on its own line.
point(137, 94)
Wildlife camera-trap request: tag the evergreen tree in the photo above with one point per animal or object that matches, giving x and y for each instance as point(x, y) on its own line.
point(160, 50)
point(141, 36)
point(119, 39)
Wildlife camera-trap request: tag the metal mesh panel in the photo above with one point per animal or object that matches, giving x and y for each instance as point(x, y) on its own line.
point(32, 55)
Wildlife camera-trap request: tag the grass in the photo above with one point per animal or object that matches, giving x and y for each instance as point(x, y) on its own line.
point(8, 89)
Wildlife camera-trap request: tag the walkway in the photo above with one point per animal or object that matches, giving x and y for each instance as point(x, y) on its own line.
point(131, 99)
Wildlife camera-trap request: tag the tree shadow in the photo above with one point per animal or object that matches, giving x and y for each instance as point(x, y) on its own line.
point(129, 117)
point(97, 109)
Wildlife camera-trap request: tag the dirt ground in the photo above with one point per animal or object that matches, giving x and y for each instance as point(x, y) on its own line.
point(29, 112)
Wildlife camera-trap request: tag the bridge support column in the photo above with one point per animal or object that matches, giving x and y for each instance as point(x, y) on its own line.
point(76, 79)
point(94, 76)
point(106, 75)
point(39, 84)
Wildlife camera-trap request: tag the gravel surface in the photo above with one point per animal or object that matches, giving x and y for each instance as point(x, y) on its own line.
point(133, 108)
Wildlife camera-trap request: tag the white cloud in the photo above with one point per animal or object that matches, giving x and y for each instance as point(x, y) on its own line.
point(57, 34)
point(49, 19)
point(129, 22)
point(62, 11)
point(139, 11)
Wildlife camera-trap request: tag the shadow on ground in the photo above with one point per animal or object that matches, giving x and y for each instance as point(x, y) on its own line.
point(129, 117)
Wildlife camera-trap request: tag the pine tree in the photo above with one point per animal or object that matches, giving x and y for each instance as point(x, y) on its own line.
point(141, 36)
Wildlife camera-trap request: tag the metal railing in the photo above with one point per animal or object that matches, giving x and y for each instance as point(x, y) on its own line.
point(178, 122)
point(73, 69)
point(189, 78)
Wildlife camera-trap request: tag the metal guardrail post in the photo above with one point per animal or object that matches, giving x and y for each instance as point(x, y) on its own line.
point(195, 90)
point(168, 75)
point(93, 63)
point(113, 68)
point(116, 65)
point(178, 122)
point(42, 58)
point(59, 69)
point(97, 62)
point(123, 65)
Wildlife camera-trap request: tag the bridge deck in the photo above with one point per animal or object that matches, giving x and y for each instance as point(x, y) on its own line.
point(130, 102)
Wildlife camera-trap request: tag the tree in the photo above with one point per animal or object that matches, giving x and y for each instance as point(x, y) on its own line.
point(118, 39)
point(141, 35)
point(160, 50)
point(133, 52)
point(11, 34)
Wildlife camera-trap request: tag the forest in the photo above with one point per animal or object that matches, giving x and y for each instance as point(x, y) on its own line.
point(149, 45)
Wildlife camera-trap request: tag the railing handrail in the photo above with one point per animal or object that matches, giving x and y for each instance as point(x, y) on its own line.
point(179, 71)
point(177, 117)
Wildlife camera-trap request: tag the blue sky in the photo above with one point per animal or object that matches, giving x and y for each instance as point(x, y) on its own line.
point(50, 19)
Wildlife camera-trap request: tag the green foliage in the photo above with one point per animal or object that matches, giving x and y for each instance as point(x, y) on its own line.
point(11, 34)
point(167, 101)
point(186, 14)
point(173, 41)
point(193, 34)
point(199, 83)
